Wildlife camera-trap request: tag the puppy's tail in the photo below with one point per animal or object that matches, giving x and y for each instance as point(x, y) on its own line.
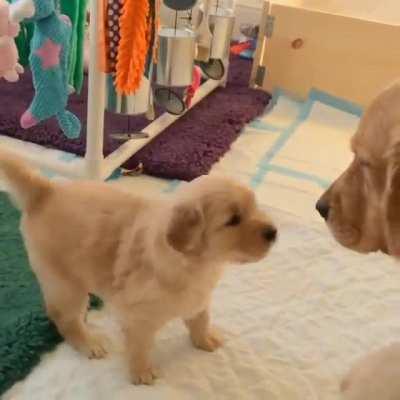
point(27, 188)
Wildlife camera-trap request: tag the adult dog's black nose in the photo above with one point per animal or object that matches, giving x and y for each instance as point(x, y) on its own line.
point(323, 209)
point(270, 233)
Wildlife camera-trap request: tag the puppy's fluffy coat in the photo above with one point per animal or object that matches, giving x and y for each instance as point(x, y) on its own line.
point(151, 259)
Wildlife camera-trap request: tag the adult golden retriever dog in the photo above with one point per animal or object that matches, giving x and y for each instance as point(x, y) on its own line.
point(362, 210)
point(152, 258)
point(362, 207)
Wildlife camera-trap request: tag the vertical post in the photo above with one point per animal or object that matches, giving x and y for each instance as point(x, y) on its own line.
point(224, 79)
point(225, 60)
point(96, 99)
point(258, 59)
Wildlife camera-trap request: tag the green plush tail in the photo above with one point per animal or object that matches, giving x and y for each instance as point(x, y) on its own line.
point(69, 123)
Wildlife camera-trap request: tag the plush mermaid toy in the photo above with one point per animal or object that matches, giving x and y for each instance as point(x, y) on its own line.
point(48, 60)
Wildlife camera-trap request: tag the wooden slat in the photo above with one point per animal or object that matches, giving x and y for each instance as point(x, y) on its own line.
point(346, 57)
point(386, 11)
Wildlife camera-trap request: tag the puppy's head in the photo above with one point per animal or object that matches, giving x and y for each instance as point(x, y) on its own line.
point(362, 207)
point(218, 219)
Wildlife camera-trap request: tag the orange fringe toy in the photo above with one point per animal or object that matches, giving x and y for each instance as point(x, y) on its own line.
point(133, 46)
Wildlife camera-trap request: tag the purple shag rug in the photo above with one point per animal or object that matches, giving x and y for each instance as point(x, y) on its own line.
point(185, 150)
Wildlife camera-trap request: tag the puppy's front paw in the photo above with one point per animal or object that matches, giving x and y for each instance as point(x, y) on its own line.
point(210, 342)
point(144, 377)
point(96, 346)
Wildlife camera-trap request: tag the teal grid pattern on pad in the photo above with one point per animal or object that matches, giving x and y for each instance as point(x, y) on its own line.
point(49, 62)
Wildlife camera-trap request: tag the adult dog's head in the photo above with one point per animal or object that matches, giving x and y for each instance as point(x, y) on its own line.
point(362, 207)
point(217, 219)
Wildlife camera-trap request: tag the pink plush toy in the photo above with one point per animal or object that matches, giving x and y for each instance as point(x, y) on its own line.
point(9, 67)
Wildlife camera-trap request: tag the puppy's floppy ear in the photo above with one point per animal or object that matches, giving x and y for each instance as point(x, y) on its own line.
point(185, 228)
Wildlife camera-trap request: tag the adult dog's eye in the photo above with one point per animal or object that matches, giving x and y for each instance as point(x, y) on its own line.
point(365, 164)
point(234, 221)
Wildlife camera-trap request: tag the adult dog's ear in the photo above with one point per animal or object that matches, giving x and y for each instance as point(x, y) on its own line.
point(186, 228)
point(392, 205)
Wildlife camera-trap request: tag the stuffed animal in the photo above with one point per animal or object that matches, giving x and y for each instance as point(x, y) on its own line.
point(49, 61)
point(9, 67)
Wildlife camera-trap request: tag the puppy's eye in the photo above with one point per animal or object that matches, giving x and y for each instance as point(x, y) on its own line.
point(234, 220)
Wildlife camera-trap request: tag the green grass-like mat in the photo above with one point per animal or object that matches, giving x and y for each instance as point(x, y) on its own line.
point(25, 331)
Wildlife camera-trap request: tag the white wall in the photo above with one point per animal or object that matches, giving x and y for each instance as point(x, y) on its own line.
point(250, 3)
point(247, 11)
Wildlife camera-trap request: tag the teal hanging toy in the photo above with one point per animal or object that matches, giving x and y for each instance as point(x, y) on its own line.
point(49, 62)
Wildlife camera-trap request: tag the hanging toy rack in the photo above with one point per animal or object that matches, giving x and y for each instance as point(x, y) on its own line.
point(94, 165)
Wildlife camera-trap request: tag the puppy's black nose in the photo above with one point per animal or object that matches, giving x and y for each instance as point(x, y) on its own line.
point(270, 233)
point(323, 209)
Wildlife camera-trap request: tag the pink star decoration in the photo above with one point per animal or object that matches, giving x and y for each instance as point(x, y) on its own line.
point(49, 53)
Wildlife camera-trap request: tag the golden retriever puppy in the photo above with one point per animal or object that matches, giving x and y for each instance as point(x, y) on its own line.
point(375, 376)
point(362, 210)
point(362, 207)
point(152, 259)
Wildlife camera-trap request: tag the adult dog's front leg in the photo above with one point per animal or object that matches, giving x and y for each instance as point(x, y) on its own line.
point(140, 338)
point(203, 336)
